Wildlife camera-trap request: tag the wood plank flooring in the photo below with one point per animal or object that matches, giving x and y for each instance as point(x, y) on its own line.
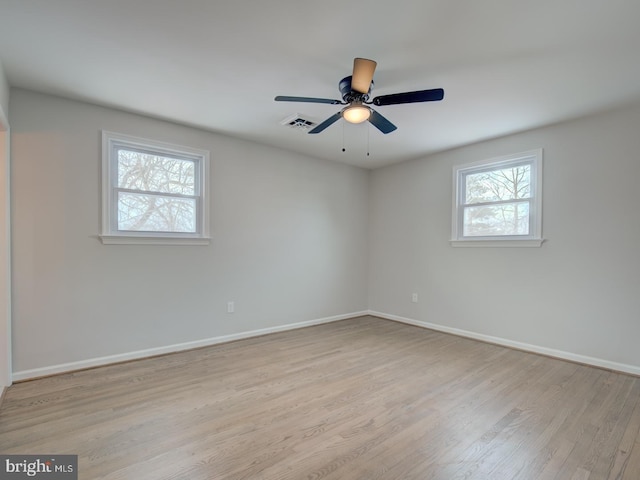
point(359, 399)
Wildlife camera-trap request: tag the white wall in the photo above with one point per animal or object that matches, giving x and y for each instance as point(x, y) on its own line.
point(5, 255)
point(5, 262)
point(579, 293)
point(294, 238)
point(289, 242)
point(4, 97)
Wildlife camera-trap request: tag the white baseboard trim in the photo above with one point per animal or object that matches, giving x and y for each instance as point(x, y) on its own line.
point(550, 352)
point(125, 357)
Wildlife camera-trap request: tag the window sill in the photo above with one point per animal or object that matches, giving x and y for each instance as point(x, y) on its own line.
point(498, 243)
point(136, 240)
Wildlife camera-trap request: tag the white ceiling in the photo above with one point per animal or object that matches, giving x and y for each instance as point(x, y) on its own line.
point(505, 65)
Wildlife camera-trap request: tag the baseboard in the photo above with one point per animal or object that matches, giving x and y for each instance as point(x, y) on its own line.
point(151, 352)
point(550, 352)
point(100, 361)
point(3, 390)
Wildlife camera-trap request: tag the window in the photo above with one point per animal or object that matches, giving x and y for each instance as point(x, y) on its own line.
point(153, 192)
point(498, 202)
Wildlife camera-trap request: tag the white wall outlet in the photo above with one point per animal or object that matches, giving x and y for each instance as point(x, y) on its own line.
point(231, 307)
point(414, 297)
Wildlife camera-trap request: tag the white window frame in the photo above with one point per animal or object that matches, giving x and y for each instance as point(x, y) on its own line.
point(111, 142)
point(534, 239)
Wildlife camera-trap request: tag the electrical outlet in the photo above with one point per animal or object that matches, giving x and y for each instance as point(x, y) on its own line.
point(231, 307)
point(414, 297)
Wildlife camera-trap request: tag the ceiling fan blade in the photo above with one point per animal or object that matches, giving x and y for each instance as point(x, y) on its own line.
point(433, 95)
point(362, 74)
point(381, 123)
point(281, 98)
point(329, 121)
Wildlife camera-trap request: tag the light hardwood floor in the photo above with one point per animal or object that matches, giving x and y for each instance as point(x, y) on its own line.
point(362, 399)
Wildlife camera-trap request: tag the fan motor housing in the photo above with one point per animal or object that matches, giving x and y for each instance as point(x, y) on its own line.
point(349, 95)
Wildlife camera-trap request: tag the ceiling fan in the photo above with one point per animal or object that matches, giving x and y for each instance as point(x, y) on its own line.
point(355, 91)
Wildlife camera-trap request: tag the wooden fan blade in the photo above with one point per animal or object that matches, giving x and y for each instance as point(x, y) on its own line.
point(329, 121)
point(285, 98)
point(433, 95)
point(362, 74)
point(381, 123)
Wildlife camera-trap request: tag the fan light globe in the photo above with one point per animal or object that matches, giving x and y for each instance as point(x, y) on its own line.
point(356, 113)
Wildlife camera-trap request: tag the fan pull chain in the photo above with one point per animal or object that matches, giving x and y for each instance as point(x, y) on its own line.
point(368, 135)
point(343, 149)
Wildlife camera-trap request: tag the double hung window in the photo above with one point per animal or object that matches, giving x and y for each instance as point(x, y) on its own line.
point(153, 192)
point(498, 202)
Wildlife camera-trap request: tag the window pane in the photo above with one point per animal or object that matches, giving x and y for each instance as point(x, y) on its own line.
point(155, 173)
point(504, 184)
point(493, 220)
point(154, 213)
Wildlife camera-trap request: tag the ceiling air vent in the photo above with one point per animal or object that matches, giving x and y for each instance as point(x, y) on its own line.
point(298, 122)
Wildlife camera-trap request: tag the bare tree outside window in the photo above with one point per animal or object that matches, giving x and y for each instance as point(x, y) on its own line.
point(155, 193)
point(497, 202)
